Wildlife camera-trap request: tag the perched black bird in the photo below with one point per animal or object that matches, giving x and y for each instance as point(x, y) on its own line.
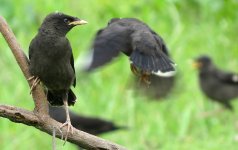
point(90, 125)
point(146, 49)
point(218, 85)
point(52, 62)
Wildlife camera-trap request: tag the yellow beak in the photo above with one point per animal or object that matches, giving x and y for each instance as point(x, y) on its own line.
point(78, 22)
point(197, 65)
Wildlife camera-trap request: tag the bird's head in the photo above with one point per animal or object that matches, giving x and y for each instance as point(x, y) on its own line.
point(60, 23)
point(113, 20)
point(202, 62)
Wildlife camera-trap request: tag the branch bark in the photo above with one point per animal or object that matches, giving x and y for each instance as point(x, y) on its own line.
point(41, 104)
point(39, 118)
point(47, 124)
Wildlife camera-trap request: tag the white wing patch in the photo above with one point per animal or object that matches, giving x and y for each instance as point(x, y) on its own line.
point(235, 78)
point(164, 74)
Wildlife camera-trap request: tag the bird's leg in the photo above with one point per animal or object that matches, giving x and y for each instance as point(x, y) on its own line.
point(144, 78)
point(68, 122)
point(35, 82)
point(134, 70)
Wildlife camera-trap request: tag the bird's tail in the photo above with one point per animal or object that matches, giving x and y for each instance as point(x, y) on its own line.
point(55, 98)
point(158, 64)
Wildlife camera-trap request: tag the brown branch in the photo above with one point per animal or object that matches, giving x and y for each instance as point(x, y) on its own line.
point(38, 95)
point(81, 138)
point(40, 118)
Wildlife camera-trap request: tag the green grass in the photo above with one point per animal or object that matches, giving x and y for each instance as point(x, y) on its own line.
point(189, 29)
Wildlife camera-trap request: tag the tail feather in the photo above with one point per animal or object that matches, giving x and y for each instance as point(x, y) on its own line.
point(151, 63)
point(71, 98)
point(166, 64)
point(55, 98)
point(159, 65)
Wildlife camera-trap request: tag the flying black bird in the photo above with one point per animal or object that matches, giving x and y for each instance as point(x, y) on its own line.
point(90, 125)
point(146, 49)
point(218, 85)
point(52, 62)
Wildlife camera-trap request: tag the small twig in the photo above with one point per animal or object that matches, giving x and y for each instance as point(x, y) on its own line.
point(53, 140)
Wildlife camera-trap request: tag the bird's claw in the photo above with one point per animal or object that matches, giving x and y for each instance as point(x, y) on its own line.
point(35, 82)
point(69, 128)
point(145, 78)
point(61, 133)
point(32, 77)
point(134, 70)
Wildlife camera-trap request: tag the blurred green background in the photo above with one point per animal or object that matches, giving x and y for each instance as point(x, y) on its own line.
point(190, 28)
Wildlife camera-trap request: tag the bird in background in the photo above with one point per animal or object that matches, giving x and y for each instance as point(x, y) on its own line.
point(90, 125)
point(52, 62)
point(218, 85)
point(144, 47)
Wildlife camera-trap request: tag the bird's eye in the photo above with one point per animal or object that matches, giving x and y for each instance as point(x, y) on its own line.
point(66, 20)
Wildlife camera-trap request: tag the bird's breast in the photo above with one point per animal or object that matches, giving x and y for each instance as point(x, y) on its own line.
point(59, 77)
point(54, 74)
point(50, 61)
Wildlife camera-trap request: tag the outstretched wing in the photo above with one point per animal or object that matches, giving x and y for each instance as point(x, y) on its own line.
point(108, 43)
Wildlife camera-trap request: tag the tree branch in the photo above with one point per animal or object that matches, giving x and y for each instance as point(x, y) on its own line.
point(40, 118)
point(41, 104)
point(81, 138)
